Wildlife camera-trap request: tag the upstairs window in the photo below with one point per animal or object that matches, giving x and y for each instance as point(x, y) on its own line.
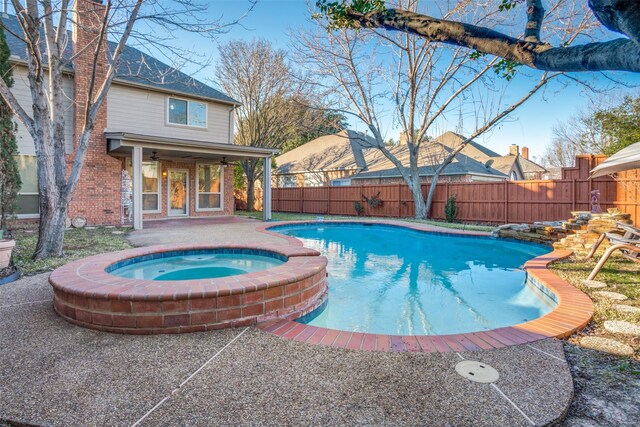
point(187, 113)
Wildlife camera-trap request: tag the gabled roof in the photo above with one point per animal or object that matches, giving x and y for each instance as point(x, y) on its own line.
point(345, 150)
point(135, 67)
point(530, 166)
point(504, 164)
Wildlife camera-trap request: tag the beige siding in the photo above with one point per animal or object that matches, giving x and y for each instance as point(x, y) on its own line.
point(144, 112)
point(23, 94)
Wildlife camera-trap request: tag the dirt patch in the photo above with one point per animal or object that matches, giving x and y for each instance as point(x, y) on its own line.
point(606, 389)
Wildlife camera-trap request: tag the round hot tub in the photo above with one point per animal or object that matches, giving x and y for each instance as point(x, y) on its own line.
point(188, 288)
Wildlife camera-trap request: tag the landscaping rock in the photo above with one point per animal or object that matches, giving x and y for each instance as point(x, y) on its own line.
point(622, 327)
point(117, 232)
point(607, 345)
point(627, 308)
point(594, 284)
point(610, 295)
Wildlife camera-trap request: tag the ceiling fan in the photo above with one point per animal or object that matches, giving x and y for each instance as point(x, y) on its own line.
point(154, 156)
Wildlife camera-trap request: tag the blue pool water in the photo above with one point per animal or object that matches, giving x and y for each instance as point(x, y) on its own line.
point(392, 280)
point(198, 265)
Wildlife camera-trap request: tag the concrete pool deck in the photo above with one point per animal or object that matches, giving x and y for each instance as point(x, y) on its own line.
point(55, 373)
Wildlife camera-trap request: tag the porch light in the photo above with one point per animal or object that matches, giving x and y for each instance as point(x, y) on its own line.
point(164, 174)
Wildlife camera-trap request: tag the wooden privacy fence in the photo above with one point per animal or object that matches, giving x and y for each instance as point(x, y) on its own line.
point(483, 202)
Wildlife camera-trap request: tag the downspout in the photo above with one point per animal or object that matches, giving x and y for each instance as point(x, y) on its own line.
point(231, 121)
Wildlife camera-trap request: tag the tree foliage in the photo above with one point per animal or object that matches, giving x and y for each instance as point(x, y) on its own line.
point(9, 173)
point(318, 123)
point(619, 126)
point(599, 129)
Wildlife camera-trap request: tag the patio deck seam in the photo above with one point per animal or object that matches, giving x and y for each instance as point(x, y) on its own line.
point(504, 396)
point(175, 390)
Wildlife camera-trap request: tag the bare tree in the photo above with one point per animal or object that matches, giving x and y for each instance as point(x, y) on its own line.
point(363, 73)
point(44, 32)
point(276, 106)
point(528, 47)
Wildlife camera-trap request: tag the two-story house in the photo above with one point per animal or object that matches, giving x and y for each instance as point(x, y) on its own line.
point(162, 141)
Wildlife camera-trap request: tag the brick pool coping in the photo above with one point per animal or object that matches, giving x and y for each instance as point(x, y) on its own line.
point(86, 295)
point(573, 312)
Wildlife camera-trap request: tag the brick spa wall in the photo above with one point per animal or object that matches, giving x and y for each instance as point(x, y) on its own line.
point(86, 295)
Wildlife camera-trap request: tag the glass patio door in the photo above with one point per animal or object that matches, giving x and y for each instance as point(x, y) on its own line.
point(178, 196)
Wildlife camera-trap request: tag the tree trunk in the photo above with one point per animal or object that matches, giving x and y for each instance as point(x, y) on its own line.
point(432, 191)
point(51, 228)
point(251, 197)
point(421, 210)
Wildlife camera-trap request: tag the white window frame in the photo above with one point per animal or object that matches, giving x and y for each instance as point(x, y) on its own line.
point(197, 192)
point(21, 193)
point(159, 192)
point(187, 125)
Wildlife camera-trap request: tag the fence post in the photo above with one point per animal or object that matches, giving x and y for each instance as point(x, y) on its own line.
point(302, 199)
point(506, 201)
point(573, 194)
point(329, 199)
point(399, 200)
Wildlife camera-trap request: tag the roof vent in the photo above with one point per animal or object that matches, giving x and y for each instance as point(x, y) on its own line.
point(488, 163)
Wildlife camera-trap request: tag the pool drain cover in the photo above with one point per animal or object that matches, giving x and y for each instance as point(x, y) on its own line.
point(477, 371)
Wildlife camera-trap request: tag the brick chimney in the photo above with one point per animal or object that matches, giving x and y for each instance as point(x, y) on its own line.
point(97, 197)
point(525, 152)
point(403, 137)
point(514, 150)
point(87, 15)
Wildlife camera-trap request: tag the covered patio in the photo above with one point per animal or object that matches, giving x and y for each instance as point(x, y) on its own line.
point(181, 163)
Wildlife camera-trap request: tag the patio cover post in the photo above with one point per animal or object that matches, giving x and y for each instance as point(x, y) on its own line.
point(266, 189)
point(137, 187)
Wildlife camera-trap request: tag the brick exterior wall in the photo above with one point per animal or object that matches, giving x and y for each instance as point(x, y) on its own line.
point(98, 196)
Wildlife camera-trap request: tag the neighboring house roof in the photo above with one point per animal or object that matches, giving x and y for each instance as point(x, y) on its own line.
point(506, 164)
point(529, 166)
point(471, 160)
point(135, 67)
point(345, 150)
point(349, 150)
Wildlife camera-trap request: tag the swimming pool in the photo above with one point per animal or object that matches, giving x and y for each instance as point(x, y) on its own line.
point(394, 280)
point(190, 265)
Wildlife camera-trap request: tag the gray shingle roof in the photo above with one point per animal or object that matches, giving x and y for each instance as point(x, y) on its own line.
point(135, 67)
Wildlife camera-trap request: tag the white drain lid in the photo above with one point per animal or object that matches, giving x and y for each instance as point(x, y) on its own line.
point(477, 371)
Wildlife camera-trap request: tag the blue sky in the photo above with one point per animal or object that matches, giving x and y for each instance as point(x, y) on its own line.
point(531, 125)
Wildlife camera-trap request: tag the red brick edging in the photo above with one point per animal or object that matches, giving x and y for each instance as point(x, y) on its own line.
point(573, 312)
point(86, 295)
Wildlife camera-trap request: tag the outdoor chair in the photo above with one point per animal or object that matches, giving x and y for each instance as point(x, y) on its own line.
point(628, 244)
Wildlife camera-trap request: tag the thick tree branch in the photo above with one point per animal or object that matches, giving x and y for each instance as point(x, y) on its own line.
point(535, 15)
point(6, 93)
point(619, 54)
point(622, 16)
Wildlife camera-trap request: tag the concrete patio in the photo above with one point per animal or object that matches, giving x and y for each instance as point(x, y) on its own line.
point(54, 373)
